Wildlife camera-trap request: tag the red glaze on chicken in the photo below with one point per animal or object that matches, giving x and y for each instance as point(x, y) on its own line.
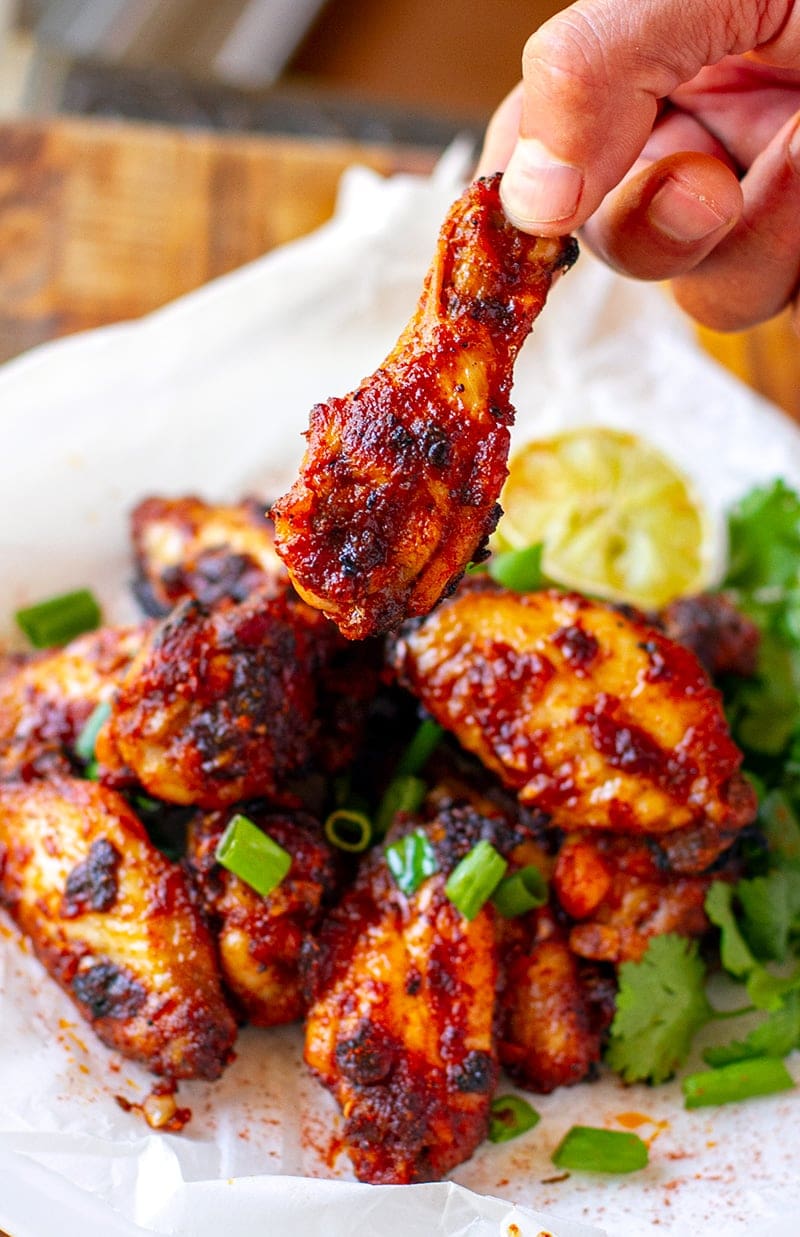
point(219, 706)
point(590, 715)
point(399, 484)
point(113, 922)
point(47, 698)
point(188, 548)
point(401, 1022)
point(261, 939)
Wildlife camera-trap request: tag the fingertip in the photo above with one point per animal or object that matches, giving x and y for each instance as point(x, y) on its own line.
point(664, 220)
point(540, 192)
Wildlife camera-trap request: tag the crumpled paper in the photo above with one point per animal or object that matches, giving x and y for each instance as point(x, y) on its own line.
point(210, 395)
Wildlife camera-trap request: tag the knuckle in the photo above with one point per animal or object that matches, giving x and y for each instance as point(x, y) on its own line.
point(567, 59)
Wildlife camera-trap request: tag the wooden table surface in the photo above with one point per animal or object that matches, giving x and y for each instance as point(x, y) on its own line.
point(104, 221)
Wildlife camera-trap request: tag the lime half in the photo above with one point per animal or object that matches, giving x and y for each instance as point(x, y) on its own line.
point(616, 517)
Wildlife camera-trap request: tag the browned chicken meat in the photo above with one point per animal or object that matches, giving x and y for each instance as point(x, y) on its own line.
point(114, 924)
point(622, 895)
point(550, 1018)
point(399, 485)
point(402, 1017)
point(261, 939)
point(219, 705)
point(185, 547)
point(723, 640)
point(593, 716)
point(47, 698)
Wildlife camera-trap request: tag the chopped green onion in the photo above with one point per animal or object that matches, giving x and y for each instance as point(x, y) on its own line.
point(59, 619)
point(348, 829)
point(518, 570)
point(403, 794)
point(252, 855)
point(84, 744)
point(144, 803)
point(92, 771)
point(509, 1117)
point(420, 749)
point(522, 891)
point(411, 859)
point(475, 879)
point(740, 1080)
point(591, 1150)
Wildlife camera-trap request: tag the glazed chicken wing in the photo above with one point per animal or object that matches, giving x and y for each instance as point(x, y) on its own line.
point(112, 921)
point(550, 1027)
point(261, 939)
point(399, 485)
point(591, 715)
point(622, 893)
point(46, 699)
point(723, 640)
point(185, 547)
point(218, 706)
point(401, 1022)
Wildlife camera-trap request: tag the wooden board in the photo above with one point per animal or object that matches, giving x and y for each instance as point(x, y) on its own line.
point(101, 222)
point(105, 221)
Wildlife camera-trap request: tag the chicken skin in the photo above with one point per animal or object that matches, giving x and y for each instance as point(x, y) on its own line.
point(622, 896)
point(113, 922)
point(399, 484)
point(723, 640)
point(590, 715)
point(401, 1022)
point(185, 547)
point(261, 939)
point(550, 1026)
point(47, 698)
point(219, 705)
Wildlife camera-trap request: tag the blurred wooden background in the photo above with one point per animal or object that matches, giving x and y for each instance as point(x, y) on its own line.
point(383, 74)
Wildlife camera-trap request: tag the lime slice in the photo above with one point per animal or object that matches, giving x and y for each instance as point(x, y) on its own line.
point(616, 517)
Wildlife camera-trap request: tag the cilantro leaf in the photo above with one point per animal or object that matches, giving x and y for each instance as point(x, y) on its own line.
point(770, 912)
point(765, 711)
point(764, 577)
point(660, 1005)
point(776, 1036)
point(781, 827)
point(735, 953)
point(767, 991)
point(764, 539)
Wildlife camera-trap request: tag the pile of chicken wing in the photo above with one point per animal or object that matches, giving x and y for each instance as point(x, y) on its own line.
point(581, 739)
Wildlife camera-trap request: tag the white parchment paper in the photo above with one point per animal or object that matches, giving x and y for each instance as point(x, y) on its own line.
point(210, 395)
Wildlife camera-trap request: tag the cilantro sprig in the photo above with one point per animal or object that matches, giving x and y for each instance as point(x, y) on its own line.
point(661, 1005)
point(764, 580)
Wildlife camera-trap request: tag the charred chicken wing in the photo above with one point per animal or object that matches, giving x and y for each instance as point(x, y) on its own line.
point(622, 894)
point(550, 1031)
point(261, 939)
point(112, 921)
point(401, 1022)
point(185, 547)
point(591, 715)
point(218, 706)
point(46, 699)
point(399, 485)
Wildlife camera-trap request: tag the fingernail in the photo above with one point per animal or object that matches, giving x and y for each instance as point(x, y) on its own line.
point(538, 188)
point(682, 215)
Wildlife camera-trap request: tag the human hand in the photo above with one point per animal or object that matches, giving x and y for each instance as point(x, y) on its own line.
point(671, 134)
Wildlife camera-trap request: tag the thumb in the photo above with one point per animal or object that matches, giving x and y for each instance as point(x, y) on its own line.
point(593, 77)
